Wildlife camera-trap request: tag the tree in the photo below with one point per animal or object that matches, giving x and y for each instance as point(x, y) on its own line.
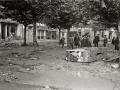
point(61, 14)
point(89, 10)
point(25, 12)
point(37, 13)
point(1, 11)
point(17, 10)
point(108, 12)
point(111, 13)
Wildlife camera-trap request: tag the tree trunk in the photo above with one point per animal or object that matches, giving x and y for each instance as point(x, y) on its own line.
point(34, 33)
point(59, 33)
point(118, 34)
point(24, 44)
point(68, 34)
point(116, 2)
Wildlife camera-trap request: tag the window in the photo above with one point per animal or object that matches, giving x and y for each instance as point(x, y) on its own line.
point(38, 37)
point(30, 27)
point(53, 34)
point(42, 34)
point(110, 34)
point(13, 30)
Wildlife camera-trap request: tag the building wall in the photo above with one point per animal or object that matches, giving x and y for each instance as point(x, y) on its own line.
point(54, 33)
point(42, 32)
point(7, 30)
point(19, 31)
point(110, 33)
point(0, 30)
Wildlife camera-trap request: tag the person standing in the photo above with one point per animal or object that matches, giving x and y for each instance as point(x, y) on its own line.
point(113, 40)
point(117, 43)
point(105, 41)
point(88, 41)
point(71, 41)
point(82, 40)
point(77, 40)
point(96, 40)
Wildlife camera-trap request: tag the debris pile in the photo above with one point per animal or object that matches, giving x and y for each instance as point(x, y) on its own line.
point(7, 76)
point(87, 54)
point(3, 62)
point(52, 88)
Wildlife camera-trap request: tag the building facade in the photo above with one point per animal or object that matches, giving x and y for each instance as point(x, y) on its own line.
point(45, 33)
point(42, 33)
point(9, 28)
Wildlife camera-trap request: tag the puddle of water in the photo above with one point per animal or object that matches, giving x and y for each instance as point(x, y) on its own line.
point(80, 74)
point(75, 80)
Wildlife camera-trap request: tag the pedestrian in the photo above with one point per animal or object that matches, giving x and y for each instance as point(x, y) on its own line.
point(113, 40)
point(77, 40)
point(85, 41)
point(71, 41)
point(82, 40)
point(116, 43)
point(105, 40)
point(96, 40)
point(88, 41)
point(62, 41)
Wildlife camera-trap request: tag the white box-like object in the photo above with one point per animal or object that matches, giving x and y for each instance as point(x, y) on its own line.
point(87, 54)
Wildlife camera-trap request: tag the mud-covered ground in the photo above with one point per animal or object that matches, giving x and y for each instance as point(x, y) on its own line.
point(44, 68)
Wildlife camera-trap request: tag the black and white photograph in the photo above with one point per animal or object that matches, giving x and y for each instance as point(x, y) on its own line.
point(59, 44)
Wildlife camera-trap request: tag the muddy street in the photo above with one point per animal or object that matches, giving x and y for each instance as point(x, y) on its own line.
point(44, 68)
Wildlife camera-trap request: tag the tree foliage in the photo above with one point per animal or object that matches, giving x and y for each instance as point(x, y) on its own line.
point(61, 14)
point(106, 12)
point(111, 13)
point(17, 10)
point(89, 11)
point(25, 12)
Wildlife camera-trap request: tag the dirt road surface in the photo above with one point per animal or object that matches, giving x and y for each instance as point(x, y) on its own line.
point(44, 68)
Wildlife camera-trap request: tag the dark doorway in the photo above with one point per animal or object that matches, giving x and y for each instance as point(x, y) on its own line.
point(8, 34)
point(13, 30)
point(3, 31)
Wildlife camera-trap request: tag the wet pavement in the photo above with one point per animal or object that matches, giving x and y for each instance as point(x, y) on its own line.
point(74, 80)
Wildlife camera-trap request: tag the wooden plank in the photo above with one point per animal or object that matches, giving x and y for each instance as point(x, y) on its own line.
point(113, 58)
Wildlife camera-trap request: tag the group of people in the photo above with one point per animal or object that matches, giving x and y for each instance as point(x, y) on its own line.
point(115, 41)
point(97, 39)
point(79, 41)
point(85, 41)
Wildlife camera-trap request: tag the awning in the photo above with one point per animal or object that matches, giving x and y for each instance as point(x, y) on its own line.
point(8, 21)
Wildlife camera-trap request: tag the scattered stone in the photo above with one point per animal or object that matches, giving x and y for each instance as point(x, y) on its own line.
point(27, 69)
point(115, 66)
point(32, 58)
point(7, 76)
point(11, 64)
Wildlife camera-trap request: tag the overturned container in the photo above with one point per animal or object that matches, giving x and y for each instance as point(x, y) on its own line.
point(86, 54)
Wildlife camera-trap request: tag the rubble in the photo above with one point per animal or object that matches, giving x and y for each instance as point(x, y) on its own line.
point(46, 87)
point(87, 54)
point(32, 58)
point(115, 65)
point(7, 76)
point(60, 65)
